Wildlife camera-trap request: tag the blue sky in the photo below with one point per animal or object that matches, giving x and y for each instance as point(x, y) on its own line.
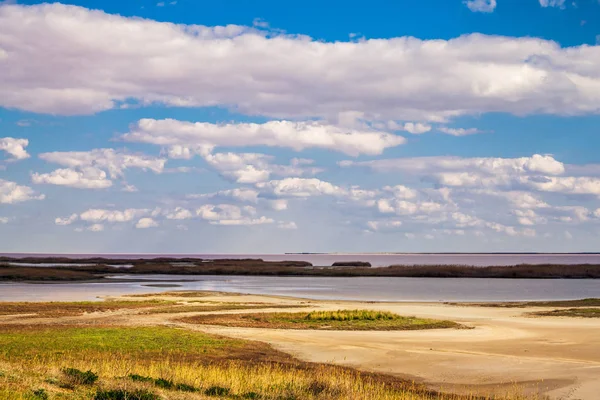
point(252, 127)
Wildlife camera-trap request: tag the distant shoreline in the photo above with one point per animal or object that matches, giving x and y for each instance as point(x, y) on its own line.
point(86, 269)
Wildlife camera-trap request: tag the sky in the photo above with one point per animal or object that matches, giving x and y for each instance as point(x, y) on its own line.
point(270, 127)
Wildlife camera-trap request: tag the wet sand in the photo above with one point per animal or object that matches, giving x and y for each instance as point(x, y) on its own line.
point(505, 351)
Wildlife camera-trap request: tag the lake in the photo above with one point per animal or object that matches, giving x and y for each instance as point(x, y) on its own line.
point(326, 288)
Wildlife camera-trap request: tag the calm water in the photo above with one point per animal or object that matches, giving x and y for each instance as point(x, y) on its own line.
point(378, 260)
point(368, 289)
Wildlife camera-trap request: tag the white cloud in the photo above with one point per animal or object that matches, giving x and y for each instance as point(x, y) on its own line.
point(184, 139)
point(4, 220)
point(459, 131)
point(254, 167)
point(102, 215)
point(416, 129)
point(287, 225)
point(384, 225)
point(66, 221)
point(401, 192)
point(279, 204)
point(145, 223)
point(85, 178)
point(11, 192)
point(542, 164)
point(95, 228)
point(486, 6)
point(300, 187)
point(243, 221)
point(87, 169)
point(241, 194)
point(113, 161)
point(552, 3)
point(259, 73)
point(15, 147)
point(180, 213)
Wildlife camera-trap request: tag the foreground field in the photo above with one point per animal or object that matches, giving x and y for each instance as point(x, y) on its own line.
point(84, 351)
point(137, 347)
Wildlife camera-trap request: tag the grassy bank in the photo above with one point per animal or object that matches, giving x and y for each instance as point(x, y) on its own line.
point(570, 312)
point(70, 362)
point(525, 304)
point(326, 320)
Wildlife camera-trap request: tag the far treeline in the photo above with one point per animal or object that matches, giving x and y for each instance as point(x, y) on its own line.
point(90, 269)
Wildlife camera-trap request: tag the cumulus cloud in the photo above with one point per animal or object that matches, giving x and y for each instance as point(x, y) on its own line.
point(15, 147)
point(184, 139)
point(257, 72)
point(231, 215)
point(85, 178)
point(300, 187)
point(87, 169)
point(254, 167)
point(486, 6)
point(113, 161)
point(416, 129)
point(145, 223)
point(102, 215)
point(11, 192)
point(66, 221)
point(180, 213)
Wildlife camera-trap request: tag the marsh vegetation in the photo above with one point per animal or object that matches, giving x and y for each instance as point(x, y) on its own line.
point(326, 320)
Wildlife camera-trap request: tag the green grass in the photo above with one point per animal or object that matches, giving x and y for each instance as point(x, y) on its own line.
point(141, 342)
point(328, 320)
point(570, 312)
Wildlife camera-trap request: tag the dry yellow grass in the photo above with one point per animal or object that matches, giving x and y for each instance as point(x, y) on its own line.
point(33, 359)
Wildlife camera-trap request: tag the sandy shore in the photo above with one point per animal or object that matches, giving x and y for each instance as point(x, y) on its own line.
point(505, 351)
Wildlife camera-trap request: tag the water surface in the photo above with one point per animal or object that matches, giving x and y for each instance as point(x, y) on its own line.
point(358, 288)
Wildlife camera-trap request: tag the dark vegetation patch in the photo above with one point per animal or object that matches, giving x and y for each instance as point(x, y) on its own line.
point(524, 304)
point(78, 377)
point(122, 394)
point(326, 320)
point(193, 266)
point(570, 312)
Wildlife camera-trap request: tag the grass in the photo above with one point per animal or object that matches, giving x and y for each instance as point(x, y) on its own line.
point(560, 303)
point(570, 312)
point(214, 307)
point(327, 320)
point(72, 362)
point(66, 309)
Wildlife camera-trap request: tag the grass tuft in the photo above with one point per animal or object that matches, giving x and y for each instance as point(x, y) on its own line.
point(122, 394)
point(77, 377)
point(217, 391)
point(40, 394)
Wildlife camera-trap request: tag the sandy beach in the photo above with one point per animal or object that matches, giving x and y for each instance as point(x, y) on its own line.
point(505, 351)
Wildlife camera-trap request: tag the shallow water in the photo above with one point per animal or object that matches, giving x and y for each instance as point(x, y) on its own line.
point(360, 288)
